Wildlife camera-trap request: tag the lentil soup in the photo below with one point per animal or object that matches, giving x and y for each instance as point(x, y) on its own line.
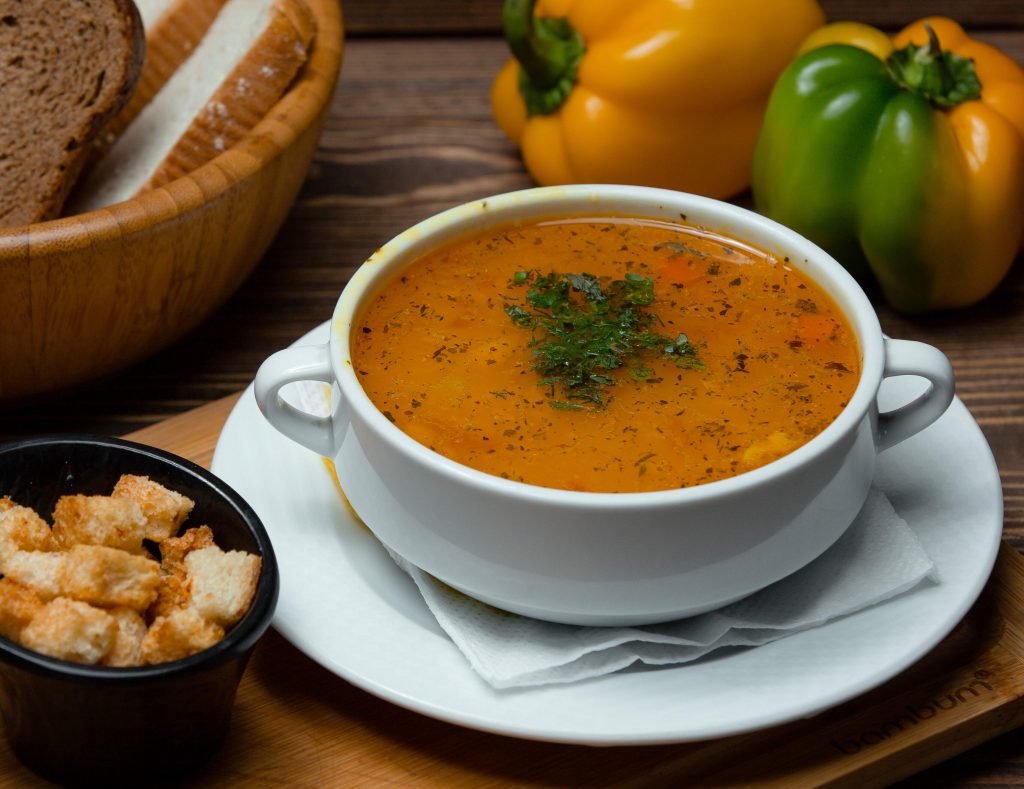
point(605, 354)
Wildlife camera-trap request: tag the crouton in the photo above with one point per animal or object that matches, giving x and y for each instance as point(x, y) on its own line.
point(127, 647)
point(99, 520)
point(21, 529)
point(174, 550)
point(38, 569)
point(109, 577)
point(85, 589)
point(172, 593)
point(174, 589)
point(71, 630)
point(18, 606)
point(181, 633)
point(222, 584)
point(164, 510)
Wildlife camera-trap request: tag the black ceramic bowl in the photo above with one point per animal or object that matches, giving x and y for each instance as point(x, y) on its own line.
point(82, 724)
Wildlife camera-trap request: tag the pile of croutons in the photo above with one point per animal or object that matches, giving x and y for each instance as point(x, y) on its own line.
point(89, 590)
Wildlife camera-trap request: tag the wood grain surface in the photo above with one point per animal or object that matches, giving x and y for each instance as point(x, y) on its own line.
point(409, 133)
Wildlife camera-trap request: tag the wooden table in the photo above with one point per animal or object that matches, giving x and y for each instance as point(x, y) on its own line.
point(410, 134)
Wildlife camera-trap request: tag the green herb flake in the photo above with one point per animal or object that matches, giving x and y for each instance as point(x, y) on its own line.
point(637, 289)
point(520, 316)
point(584, 327)
point(588, 285)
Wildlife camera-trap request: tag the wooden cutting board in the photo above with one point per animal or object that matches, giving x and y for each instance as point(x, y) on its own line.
point(299, 725)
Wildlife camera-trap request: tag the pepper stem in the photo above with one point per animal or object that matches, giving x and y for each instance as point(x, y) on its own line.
point(942, 77)
point(549, 52)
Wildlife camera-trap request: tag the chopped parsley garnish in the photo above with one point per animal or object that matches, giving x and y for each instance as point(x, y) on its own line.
point(584, 327)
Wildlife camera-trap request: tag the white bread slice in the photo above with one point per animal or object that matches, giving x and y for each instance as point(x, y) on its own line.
point(174, 29)
point(243, 65)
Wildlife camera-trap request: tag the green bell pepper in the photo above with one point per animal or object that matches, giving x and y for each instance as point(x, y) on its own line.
point(899, 168)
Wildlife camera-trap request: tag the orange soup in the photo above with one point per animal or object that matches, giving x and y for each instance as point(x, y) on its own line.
point(605, 354)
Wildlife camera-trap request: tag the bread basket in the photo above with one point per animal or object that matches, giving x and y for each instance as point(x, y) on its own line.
point(86, 295)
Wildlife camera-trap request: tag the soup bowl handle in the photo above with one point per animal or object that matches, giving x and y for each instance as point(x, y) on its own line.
point(906, 357)
point(322, 434)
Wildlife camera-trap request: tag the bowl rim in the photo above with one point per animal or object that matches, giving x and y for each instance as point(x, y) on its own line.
point(412, 242)
point(306, 99)
point(238, 641)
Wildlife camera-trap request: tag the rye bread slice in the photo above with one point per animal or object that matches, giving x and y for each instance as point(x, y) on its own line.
point(66, 68)
point(245, 62)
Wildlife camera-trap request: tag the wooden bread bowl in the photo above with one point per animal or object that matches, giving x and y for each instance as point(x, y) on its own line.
point(83, 296)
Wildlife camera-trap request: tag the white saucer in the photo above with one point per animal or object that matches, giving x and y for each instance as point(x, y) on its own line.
point(346, 605)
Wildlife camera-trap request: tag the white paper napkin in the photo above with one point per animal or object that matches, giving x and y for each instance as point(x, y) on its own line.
point(877, 558)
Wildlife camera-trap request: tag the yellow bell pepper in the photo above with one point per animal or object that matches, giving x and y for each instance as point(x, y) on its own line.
point(648, 92)
point(855, 34)
point(908, 161)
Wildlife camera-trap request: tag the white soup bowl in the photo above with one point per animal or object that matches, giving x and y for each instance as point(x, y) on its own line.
point(603, 558)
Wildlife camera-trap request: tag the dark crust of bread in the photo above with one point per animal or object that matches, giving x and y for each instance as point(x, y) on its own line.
point(43, 150)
